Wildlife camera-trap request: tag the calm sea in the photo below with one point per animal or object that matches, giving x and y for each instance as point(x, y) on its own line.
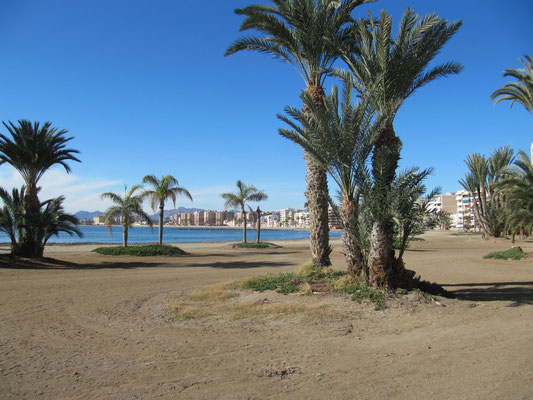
point(170, 234)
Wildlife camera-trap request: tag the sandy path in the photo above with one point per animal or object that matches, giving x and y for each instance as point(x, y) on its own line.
point(96, 327)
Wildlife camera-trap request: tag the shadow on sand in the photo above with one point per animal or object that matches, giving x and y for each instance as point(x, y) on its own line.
point(518, 293)
point(47, 263)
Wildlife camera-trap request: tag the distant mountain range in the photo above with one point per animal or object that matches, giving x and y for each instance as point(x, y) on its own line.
point(168, 213)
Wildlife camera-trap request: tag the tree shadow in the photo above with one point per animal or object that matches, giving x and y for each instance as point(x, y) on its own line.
point(518, 293)
point(47, 263)
point(245, 264)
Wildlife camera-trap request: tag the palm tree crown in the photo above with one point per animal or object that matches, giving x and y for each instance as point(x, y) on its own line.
point(389, 70)
point(244, 194)
point(520, 91)
point(35, 148)
point(302, 33)
point(127, 208)
point(163, 189)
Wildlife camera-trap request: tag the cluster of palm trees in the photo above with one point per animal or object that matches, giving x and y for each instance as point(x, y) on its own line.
point(353, 139)
point(502, 189)
point(129, 207)
point(29, 222)
point(502, 184)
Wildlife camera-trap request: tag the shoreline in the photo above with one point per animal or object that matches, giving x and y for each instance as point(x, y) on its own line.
point(218, 227)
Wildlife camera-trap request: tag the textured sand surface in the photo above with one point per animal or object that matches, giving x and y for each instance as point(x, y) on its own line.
point(86, 326)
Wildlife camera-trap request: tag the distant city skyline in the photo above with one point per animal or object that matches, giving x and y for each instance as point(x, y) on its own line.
point(145, 89)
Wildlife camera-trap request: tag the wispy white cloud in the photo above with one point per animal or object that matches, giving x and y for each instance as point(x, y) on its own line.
point(80, 193)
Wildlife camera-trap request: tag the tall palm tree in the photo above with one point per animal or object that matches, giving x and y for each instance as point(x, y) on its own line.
point(127, 208)
point(517, 187)
point(482, 178)
point(307, 35)
point(340, 137)
point(32, 150)
point(387, 71)
point(163, 189)
point(520, 91)
point(244, 194)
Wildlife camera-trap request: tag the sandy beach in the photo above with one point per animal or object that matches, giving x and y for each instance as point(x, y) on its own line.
point(86, 326)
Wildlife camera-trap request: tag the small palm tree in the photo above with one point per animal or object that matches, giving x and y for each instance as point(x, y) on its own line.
point(12, 216)
point(161, 190)
point(520, 91)
point(239, 199)
point(307, 35)
point(386, 72)
point(32, 150)
point(54, 220)
point(127, 208)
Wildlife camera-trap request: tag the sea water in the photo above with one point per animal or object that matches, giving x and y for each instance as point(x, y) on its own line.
point(143, 234)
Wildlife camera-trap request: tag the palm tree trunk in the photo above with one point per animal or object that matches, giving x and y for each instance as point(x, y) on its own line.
point(384, 164)
point(258, 224)
point(350, 240)
point(125, 235)
point(28, 247)
point(317, 195)
point(244, 225)
point(381, 255)
point(161, 216)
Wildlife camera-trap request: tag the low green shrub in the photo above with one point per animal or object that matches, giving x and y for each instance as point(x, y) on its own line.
point(363, 292)
point(251, 245)
point(283, 283)
point(513, 254)
point(141, 251)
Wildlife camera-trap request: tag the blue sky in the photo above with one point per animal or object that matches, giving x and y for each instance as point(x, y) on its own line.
point(144, 88)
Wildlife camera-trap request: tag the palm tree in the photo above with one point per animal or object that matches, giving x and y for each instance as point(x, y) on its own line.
point(32, 150)
point(481, 180)
point(239, 199)
point(54, 220)
point(305, 34)
point(161, 190)
point(341, 142)
point(520, 91)
point(127, 208)
point(12, 216)
point(387, 71)
point(517, 187)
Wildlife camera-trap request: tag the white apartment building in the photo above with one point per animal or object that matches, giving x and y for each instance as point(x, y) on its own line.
point(446, 202)
point(301, 219)
point(286, 217)
point(270, 220)
point(465, 210)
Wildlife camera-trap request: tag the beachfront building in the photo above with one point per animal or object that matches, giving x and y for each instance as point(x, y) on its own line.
point(271, 219)
point(99, 220)
point(333, 219)
point(465, 217)
point(210, 218)
point(183, 219)
point(286, 217)
point(301, 219)
point(198, 218)
point(446, 202)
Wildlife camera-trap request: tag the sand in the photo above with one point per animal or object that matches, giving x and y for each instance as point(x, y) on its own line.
point(86, 326)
